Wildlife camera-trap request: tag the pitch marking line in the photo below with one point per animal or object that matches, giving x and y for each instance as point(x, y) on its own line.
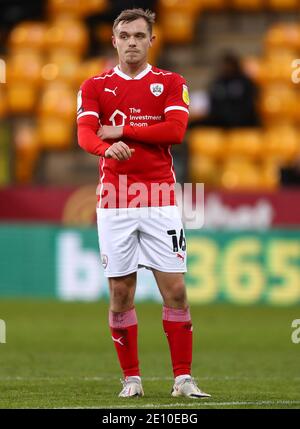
point(221, 404)
point(193, 404)
point(115, 378)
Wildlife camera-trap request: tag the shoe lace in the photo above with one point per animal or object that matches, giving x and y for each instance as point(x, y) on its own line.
point(126, 381)
point(124, 384)
point(191, 381)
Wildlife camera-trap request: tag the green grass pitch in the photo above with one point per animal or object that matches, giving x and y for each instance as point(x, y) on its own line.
point(61, 355)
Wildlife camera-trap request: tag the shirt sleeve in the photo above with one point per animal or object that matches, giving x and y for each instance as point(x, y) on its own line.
point(178, 95)
point(88, 110)
point(87, 101)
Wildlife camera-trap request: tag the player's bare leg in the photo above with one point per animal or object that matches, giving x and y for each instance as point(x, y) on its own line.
point(122, 291)
point(123, 326)
point(178, 327)
point(172, 289)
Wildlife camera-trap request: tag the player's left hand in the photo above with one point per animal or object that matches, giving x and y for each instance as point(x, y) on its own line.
point(110, 132)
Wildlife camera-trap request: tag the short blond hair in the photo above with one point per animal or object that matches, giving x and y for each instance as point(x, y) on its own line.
point(130, 15)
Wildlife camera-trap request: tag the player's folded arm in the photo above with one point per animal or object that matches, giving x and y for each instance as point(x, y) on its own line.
point(88, 120)
point(171, 131)
point(87, 127)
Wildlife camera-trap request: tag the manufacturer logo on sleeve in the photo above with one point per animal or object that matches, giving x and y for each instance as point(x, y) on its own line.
point(157, 89)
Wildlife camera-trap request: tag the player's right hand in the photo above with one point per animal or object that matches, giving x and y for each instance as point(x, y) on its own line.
point(119, 151)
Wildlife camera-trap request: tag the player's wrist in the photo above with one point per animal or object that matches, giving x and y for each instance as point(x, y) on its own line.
point(106, 147)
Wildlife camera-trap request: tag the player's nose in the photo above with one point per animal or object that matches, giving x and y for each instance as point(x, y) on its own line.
point(132, 41)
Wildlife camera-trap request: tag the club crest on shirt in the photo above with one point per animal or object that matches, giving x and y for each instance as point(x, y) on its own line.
point(156, 89)
point(185, 94)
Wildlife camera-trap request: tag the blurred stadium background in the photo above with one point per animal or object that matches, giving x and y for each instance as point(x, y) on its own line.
point(247, 253)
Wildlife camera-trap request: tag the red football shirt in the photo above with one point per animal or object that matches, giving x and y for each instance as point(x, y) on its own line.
point(115, 98)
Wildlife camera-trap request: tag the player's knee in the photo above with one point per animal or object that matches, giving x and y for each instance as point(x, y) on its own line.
point(120, 291)
point(178, 293)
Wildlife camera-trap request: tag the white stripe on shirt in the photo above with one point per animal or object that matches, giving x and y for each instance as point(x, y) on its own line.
point(167, 109)
point(89, 112)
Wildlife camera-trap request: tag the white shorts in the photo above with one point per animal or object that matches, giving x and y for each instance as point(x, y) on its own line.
point(151, 237)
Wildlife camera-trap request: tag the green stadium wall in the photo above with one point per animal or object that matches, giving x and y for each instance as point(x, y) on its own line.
point(239, 267)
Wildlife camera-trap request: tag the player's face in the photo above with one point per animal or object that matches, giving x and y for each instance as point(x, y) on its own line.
point(132, 41)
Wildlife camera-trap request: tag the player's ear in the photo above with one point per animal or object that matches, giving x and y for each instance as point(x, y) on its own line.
point(152, 40)
point(113, 39)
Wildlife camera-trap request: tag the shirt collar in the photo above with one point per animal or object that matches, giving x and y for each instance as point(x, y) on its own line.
point(137, 77)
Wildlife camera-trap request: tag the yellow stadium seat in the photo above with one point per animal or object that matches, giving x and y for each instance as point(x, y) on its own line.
point(21, 98)
point(244, 142)
point(55, 133)
point(90, 7)
point(203, 169)
point(239, 173)
point(89, 68)
point(3, 102)
point(283, 4)
point(68, 33)
point(282, 143)
point(190, 6)
point(178, 26)
point(58, 99)
point(78, 8)
point(25, 66)
point(252, 67)
point(270, 179)
point(214, 4)
point(278, 102)
point(207, 141)
point(296, 110)
point(26, 151)
point(247, 4)
point(277, 66)
point(59, 7)
point(62, 65)
point(283, 35)
point(28, 35)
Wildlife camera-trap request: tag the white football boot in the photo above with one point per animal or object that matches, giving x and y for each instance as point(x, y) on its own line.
point(188, 387)
point(132, 386)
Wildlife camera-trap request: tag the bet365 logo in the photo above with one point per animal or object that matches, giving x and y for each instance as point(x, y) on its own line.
point(296, 333)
